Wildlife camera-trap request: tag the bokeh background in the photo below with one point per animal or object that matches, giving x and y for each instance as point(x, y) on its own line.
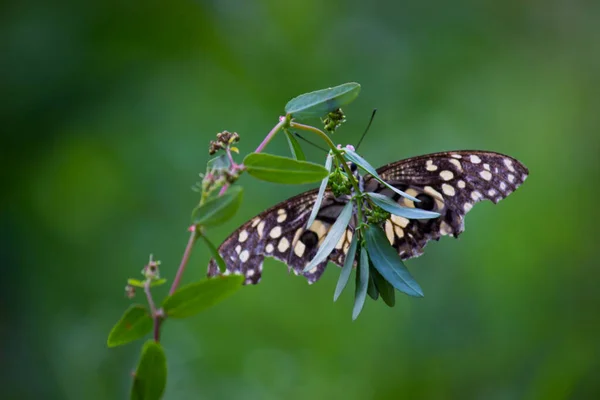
point(107, 110)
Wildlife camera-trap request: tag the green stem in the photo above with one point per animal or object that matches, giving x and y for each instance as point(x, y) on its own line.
point(338, 155)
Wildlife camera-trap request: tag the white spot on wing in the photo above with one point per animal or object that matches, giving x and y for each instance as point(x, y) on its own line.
point(461, 184)
point(511, 178)
point(238, 249)
point(243, 236)
point(475, 159)
point(509, 164)
point(456, 163)
point(456, 156)
point(260, 229)
point(446, 175)
point(487, 175)
point(389, 231)
point(445, 229)
point(467, 207)
point(448, 190)
point(244, 255)
point(401, 221)
point(269, 248)
point(283, 245)
point(475, 195)
point(275, 232)
point(299, 249)
point(429, 166)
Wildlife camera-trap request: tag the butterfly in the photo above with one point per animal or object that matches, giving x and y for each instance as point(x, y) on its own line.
point(448, 183)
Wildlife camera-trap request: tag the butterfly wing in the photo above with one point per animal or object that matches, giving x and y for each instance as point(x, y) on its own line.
point(449, 183)
point(280, 232)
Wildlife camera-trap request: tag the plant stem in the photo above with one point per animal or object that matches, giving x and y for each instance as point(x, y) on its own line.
point(184, 261)
point(156, 318)
point(267, 139)
point(338, 156)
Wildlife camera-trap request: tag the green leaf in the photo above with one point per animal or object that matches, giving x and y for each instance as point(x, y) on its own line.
point(391, 206)
point(347, 268)
point(333, 237)
point(136, 283)
point(362, 282)
point(295, 147)
point(215, 253)
point(385, 289)
point(350, 155)
point(319, 103)
point(270, 168)
point(321, 193)
point(150, 376)
point(217, 210)
point(158, 282)
point(221, 162)
point(372, 288)
point(388, 262)
point(195, 297)
point(141, 284)
point(135, 323)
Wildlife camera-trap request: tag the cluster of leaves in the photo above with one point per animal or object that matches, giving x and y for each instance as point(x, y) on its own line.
point(379, 268)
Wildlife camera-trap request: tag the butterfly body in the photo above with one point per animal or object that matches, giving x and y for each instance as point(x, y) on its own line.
point(448, 183)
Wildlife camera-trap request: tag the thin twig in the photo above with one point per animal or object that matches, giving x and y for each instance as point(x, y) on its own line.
point(267, 139)
point(184, 261)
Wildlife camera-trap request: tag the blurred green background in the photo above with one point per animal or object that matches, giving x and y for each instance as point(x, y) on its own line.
point(107, 111)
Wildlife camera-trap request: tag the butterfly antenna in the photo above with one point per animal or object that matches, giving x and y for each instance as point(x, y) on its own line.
point(367, 130)
point(311, 143)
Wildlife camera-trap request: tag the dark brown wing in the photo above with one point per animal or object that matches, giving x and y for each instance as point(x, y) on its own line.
point(280, 232)
point(449, 183)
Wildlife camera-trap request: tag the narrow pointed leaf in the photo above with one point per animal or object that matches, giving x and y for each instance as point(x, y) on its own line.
point(352, 156)
point(388, 262)
point(319, 200)
point(319, 103)
point(215, 253)
point(346, 269)
point(391, 206)
point(196, 297)
point(150, 378)
point(295, 147)
point(385, 289)
point(335, 233)
point(372, 288)
point(218, 209)
point(270, 168)
point(135, 323)
point(362, 283)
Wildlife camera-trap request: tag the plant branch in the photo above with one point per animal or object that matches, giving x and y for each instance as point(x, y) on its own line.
point(340, 159)
point(282, 122)
point(184, 260)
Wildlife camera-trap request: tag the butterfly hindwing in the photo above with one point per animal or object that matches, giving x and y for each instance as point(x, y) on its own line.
point(281, 233)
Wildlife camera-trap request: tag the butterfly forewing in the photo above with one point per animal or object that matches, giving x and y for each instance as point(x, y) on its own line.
point(449, 183)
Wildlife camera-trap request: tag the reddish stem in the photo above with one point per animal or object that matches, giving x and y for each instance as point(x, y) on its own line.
point(267, 139)
point(184, 260)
